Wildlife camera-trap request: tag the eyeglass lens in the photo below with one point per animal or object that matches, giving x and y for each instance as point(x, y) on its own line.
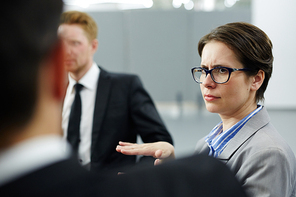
point(219, 75)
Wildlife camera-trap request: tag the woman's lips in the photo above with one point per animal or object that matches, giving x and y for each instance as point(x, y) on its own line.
point(209, 97)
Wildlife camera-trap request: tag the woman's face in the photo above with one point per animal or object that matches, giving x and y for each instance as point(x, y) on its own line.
point(234, 97)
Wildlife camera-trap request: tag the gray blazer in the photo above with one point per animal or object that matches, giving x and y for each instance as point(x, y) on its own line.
point(260, 158)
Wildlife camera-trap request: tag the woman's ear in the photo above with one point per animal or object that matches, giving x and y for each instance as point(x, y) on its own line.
point(257, 80)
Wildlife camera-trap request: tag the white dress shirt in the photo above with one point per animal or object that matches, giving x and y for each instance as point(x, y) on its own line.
point(31, 155)
point(88, 97)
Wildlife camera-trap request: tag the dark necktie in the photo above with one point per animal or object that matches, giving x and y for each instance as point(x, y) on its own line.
point(73, 135)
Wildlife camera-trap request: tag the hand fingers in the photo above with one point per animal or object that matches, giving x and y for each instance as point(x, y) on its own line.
point(138, 150)
point(125, 143)
point(127, 150)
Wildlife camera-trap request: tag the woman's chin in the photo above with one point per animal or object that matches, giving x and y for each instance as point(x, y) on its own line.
point(211, 108)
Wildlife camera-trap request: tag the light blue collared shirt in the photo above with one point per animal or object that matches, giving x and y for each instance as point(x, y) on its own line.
point(218, 140)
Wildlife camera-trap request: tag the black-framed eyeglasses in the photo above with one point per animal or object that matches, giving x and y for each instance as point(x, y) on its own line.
point(219, 74)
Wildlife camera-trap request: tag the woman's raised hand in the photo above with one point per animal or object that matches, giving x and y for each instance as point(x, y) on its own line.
point(162, 151)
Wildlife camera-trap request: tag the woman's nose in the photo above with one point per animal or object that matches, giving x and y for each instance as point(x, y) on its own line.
point(208, 81)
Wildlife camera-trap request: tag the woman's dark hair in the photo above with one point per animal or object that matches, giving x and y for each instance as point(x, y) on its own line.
point(251, 45)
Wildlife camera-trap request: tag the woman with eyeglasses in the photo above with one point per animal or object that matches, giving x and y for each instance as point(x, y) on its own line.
point(236, 65)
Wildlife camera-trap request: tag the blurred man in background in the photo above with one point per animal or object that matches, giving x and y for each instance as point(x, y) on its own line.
point(113, 107)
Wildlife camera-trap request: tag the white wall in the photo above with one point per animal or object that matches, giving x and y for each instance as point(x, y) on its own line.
point(278, 19)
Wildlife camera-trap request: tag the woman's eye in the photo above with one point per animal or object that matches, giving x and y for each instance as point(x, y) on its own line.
point(222, 70)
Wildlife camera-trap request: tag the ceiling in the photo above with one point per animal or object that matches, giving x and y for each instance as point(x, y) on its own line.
point(197, 5)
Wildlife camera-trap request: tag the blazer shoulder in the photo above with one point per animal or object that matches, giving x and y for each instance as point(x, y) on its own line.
point(120, 78)
point(117, 75)
point(268, 138)
point(43, 181)
point(257, 135)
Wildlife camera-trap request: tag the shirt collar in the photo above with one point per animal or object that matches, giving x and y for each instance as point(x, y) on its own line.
point(89, 80)
point(218, 140)
point(30, 155)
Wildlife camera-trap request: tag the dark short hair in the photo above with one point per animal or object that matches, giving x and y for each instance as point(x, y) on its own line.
point(251, 45)
point(85, 21)
point(28, 33)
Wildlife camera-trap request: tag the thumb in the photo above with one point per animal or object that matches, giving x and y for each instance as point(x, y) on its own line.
point(158, 154)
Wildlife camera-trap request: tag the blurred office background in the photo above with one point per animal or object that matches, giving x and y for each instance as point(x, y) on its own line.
point(157, 39)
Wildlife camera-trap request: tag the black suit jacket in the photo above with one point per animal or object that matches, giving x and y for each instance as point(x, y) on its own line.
point(199, 175)
point(61, 179)
point(123, 109)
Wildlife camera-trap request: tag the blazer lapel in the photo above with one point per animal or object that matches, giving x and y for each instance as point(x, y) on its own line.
point(102, 97)
point(248, 130)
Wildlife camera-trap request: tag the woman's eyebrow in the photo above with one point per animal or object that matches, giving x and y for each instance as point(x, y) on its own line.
point(214, 66)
